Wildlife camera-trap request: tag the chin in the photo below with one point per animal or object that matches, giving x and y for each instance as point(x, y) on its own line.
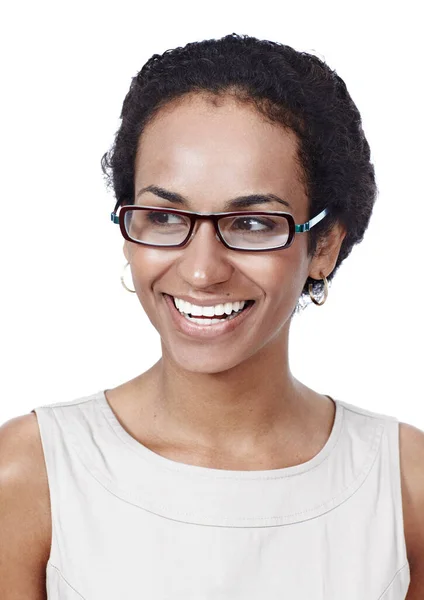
point(205, 361)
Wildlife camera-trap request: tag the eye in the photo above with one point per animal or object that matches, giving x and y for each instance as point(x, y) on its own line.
point(248, 223)
point(164, 218)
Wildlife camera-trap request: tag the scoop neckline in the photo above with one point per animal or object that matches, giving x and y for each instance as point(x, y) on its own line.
point(169, 464)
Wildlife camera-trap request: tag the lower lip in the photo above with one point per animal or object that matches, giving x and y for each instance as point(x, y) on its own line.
point(205, 331)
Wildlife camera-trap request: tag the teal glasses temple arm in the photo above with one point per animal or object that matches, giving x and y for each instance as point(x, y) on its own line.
point(309, 224)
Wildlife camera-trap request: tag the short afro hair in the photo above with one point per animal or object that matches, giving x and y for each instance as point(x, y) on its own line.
point(295, 89)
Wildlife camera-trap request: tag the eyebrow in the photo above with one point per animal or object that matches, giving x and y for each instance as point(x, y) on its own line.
point(238, 202)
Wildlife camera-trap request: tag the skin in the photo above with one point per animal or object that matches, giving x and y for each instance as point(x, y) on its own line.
point(234, 397)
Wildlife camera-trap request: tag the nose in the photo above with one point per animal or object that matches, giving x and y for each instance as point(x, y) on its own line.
point(204, 260)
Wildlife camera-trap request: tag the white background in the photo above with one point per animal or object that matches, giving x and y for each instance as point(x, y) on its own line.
point(68, 327)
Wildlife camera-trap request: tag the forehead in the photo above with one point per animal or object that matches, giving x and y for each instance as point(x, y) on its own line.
point(194, 146)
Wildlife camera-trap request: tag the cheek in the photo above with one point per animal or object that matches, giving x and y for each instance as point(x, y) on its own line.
point(149, 265)
point(278, 275)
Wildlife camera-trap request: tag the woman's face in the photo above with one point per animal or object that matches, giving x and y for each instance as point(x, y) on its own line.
point(211, 154)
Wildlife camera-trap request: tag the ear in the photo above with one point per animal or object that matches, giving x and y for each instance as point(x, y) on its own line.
point(327, 253)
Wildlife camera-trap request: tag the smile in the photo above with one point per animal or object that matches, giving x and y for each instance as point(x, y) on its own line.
point(207, 321)
point(207, 315)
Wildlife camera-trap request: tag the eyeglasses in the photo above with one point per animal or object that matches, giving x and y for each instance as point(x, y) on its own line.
point(243, 230)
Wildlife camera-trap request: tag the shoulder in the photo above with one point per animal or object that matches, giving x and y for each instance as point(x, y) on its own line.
point(24, 490)
point(19, 440)
point(411, 447)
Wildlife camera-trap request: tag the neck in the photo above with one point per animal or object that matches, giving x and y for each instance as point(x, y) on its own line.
point(246, 407)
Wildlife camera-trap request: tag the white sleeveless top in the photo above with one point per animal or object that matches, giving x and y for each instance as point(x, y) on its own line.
point(128, 523)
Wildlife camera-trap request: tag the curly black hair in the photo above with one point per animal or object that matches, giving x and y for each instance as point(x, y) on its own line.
point(295, 89)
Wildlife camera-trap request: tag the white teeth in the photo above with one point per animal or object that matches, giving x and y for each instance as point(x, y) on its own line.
point(208, 311)
point(219, 310)
point(228, 308)
point(209, 321)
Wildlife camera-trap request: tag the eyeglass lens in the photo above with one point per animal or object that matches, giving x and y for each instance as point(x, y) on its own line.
point(248, 232)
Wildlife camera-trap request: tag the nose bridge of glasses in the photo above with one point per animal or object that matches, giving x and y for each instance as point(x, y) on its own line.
point(206, 219)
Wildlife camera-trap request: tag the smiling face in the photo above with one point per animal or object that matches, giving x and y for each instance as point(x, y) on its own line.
point(209, 154)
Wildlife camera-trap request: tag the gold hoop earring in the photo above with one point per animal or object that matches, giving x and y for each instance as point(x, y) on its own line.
point(325, 292)
point(123, 282)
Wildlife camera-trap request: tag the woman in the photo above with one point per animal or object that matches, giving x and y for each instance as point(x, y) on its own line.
point(243, 180)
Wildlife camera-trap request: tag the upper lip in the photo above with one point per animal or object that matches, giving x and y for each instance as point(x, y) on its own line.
point(209, 302)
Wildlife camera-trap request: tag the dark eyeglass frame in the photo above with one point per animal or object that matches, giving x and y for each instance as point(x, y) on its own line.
point(215, 217)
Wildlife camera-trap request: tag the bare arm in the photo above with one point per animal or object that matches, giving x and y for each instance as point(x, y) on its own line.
point(412, 470)
point(25, 522)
